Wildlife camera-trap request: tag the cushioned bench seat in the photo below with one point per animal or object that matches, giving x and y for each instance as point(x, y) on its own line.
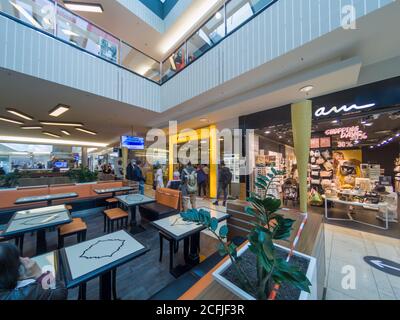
point(156, 211)
point(168, 202)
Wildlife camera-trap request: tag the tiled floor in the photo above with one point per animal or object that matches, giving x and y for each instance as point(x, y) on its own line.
point(347, 247)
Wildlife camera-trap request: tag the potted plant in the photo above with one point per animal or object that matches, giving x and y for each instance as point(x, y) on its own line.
point(82, 175)
point(254, 270)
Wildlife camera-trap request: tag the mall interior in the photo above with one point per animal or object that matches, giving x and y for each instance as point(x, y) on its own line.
point(199, 150)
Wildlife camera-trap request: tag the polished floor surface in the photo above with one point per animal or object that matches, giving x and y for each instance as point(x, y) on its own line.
point(347, 247)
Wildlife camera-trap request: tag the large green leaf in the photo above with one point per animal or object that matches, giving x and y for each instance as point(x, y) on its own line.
point(223, 232)
point(214, 224)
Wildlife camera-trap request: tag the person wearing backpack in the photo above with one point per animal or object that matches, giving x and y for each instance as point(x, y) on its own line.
point(224, 180)
point(189, 186)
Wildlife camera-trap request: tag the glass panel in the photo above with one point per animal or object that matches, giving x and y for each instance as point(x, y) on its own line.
point(138, 62)
point(174, 63)
point(38, 13)
point(208, 35)
point(82, 33)
point(239, 11)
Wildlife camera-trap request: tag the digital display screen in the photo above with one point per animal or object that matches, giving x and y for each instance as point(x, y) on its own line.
point(132, 143)
point(61, 164)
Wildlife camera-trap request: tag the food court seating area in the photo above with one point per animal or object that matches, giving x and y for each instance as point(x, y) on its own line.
point(87, 198)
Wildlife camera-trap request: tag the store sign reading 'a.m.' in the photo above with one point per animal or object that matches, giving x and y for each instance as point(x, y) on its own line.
point(324, 112)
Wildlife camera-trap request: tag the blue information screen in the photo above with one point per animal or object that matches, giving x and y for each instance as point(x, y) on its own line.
point(132, 143)
point(61, 164)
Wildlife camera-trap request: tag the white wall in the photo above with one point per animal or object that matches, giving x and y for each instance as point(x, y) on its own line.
point(28, 51)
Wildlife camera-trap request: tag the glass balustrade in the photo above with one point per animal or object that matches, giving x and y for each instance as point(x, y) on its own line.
point(140, 63)
point(52, 18)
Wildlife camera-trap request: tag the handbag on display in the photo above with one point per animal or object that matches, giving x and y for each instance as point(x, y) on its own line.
point(328, 166)
point(326, 174)
point(326, 154)
point(315, 181)
point(315, 173)
point(320, 160)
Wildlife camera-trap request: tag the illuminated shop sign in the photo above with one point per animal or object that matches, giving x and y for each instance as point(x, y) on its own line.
point(352, 133)
point(323, 112)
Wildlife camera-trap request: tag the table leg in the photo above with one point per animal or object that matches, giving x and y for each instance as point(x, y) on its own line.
point(135, 228)
point(41, 244)
point(193, 257)
point(105, 287)
point(189, 263)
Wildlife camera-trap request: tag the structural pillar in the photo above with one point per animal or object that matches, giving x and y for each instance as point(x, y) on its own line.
point(125, 154)
point(214, 157)
point(301, 125)
point(85, 157)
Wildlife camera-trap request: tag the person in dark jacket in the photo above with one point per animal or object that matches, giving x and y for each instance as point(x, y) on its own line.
point(224, 180)
point(134, 173)
point(23, 279)
point(202, 180)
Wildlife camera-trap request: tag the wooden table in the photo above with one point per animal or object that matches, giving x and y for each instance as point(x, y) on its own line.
point(49, 198)
point(37, 220)
point(312, 242)
point(113, 191)
point(177, 229)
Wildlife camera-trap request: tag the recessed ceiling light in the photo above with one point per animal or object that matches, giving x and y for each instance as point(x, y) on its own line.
point(10, 120)
point(19, 114)
point(335, 121)
point(307, 89)
point(62, 124)
point(52, 141)
point(65, 132)
point(218, 15)
point(86, 131)
point(369, 124)
point(267, 132)
point(32, 128)
point(51, 134)
point(84, 7)
point(203, 120)
point(59, 110)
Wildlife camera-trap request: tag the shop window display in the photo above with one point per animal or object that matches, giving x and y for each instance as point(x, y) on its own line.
point(354, 159)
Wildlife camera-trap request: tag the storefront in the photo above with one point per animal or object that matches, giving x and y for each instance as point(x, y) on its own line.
point(354, 154)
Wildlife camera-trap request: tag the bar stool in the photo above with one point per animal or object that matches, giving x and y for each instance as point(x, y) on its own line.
point(173, 248)
point(116, 215)
point(111, 203)
point(77, 227)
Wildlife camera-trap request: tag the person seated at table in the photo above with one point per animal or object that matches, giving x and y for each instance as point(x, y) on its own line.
point(22, 278)
point(175, 183)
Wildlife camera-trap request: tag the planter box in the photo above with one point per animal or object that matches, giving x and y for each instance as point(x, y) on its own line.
point(311, 275)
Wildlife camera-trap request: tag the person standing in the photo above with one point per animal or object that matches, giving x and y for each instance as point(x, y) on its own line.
point(189, 186)
point(224, 180)
point(201, 180)
point(134, 173)
point(158, 177)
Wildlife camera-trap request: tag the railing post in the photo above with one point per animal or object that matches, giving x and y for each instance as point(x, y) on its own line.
point(55, 18)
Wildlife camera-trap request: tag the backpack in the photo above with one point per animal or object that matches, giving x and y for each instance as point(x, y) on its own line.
point(226, 176)
point(191, 182)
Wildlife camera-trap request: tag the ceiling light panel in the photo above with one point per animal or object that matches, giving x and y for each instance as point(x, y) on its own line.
point(51, 134)
point(84, 7)
point(5, 119)
point(19, 114)
point(61, 124)
point(59, 110)
point(86, 131)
